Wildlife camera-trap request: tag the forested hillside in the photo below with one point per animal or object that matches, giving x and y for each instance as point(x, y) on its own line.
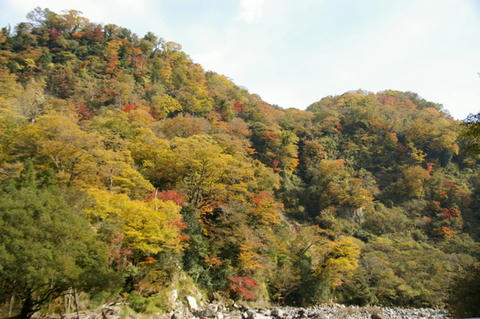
point(127, 171)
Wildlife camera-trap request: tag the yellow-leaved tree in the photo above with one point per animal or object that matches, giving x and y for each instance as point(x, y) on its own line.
point(335, 260)
point(148, 227)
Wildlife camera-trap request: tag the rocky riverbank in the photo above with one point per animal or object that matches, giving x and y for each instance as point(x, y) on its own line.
point(325, 312)
point(341, 312)
point(219, 311)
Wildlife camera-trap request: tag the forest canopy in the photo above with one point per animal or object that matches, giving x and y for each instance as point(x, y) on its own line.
point(131, 170)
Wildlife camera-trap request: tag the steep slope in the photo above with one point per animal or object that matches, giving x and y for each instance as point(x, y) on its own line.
point(194, 183)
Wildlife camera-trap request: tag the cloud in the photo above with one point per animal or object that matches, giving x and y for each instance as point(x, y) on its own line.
point(251, 10)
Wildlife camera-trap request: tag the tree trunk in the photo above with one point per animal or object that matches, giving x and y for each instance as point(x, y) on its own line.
point(12, 301)
point(68, 301)
point(76, 302)
point(28, 309)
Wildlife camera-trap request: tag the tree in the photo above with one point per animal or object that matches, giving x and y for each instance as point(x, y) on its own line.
point(332, 184)
point(31, 102)
point(146, 143)
point(9, 88)
point(335, 260)
point(10, 126)
point(46, 248)
point(470, 136)
point(58, 142)
point(162, 105)
point(412, 183)
point(464, 293)
point(148, 227)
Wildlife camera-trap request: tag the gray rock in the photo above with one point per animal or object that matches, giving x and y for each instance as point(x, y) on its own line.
point(251, 314)
point(217, 310)
point(266, 312)
point(259, 316)
point(209, 312)
point(192, 303)
point(278, 313)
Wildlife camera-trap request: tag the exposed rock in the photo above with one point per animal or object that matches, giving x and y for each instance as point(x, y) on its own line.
point(192, 303)
point(354, 214)
point(209, 312)
point(173, 296)
point(218, 311)
point(266, 312)
point(253, 314)
point(277, 312)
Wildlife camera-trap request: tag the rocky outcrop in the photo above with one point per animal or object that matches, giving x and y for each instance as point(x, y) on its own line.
point(356, 215)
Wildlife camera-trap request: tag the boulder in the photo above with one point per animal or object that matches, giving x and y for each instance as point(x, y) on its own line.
point(266, 312)
point(192, 303)
point(277, 313)
point(208, 312)
point(251, 314)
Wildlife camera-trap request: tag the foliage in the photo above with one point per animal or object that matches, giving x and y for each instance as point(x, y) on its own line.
point(149, 227)
point(46, 248)
point(470, 134)
point(186, 177)
point(243, 287)
point(464, 293)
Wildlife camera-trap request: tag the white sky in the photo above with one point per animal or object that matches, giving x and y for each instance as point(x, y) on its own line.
point(292, 53)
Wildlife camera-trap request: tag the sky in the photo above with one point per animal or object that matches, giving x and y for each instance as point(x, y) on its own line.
point(293, 53)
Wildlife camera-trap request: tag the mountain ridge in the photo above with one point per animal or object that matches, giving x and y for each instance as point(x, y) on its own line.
point(189, 182)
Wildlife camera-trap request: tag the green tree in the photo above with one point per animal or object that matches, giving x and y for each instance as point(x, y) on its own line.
point(470, 136)
point(46, 248)
point(465, 292)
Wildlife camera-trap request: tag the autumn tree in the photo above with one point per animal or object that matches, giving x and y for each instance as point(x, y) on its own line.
point(148, 227)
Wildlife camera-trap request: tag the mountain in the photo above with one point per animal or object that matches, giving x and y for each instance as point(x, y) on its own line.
point(178, 179)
